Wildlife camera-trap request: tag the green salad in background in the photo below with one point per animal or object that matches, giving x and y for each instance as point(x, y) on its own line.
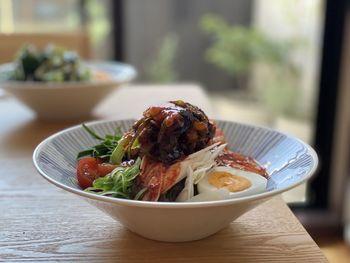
point(51, 64)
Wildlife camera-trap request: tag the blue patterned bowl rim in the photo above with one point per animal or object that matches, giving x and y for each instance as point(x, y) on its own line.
point(310, 154)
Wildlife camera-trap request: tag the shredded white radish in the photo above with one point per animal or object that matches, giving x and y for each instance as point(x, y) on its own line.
point(188, 190)
point(195, 166)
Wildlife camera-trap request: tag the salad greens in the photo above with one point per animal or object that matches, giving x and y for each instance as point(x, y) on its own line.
point(52, 64)
point(118, 153)
point(118, 183)
point(112, 147)
point(106, 148)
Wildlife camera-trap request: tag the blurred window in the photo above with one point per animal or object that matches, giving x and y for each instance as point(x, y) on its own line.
point(61, 16)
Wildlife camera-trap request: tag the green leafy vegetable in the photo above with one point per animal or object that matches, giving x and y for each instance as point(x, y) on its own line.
point(52, 64)
point(118, 183)
point(119, 151)
point(140, 194)
point(92, 133)
point(107, 146)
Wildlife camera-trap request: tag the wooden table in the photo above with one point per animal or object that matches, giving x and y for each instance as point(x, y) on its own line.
point(41, 223)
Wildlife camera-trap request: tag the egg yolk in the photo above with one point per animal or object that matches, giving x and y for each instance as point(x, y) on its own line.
point(232, 182)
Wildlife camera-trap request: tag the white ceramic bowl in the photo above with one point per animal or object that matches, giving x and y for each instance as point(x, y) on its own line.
point(289, 162)
point(67, 100)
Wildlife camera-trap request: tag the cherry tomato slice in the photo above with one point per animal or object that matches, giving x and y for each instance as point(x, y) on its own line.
point(87, 171)
point(105, 168)
point(90, 168)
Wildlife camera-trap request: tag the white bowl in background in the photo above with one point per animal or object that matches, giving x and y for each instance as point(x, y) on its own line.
point(288, 161)
point(70, 99)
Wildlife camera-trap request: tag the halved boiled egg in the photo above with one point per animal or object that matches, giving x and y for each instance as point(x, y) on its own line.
point(238, 183)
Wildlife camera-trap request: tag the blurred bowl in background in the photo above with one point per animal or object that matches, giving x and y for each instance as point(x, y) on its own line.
point(68, 100)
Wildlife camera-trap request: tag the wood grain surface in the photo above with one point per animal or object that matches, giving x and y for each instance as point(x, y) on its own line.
point(41, 223)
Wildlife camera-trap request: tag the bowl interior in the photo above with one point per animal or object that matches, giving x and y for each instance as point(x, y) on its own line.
point(287, 160)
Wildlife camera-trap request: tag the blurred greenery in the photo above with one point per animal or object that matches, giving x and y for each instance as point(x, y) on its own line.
point(239, 50)
point(161, 69)
point(98, 25)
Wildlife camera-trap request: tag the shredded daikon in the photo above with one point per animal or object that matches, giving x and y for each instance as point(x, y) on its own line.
point(195, 166)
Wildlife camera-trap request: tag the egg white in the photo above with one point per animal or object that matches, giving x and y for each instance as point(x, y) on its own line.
point(212, 195)
point(258, 183)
